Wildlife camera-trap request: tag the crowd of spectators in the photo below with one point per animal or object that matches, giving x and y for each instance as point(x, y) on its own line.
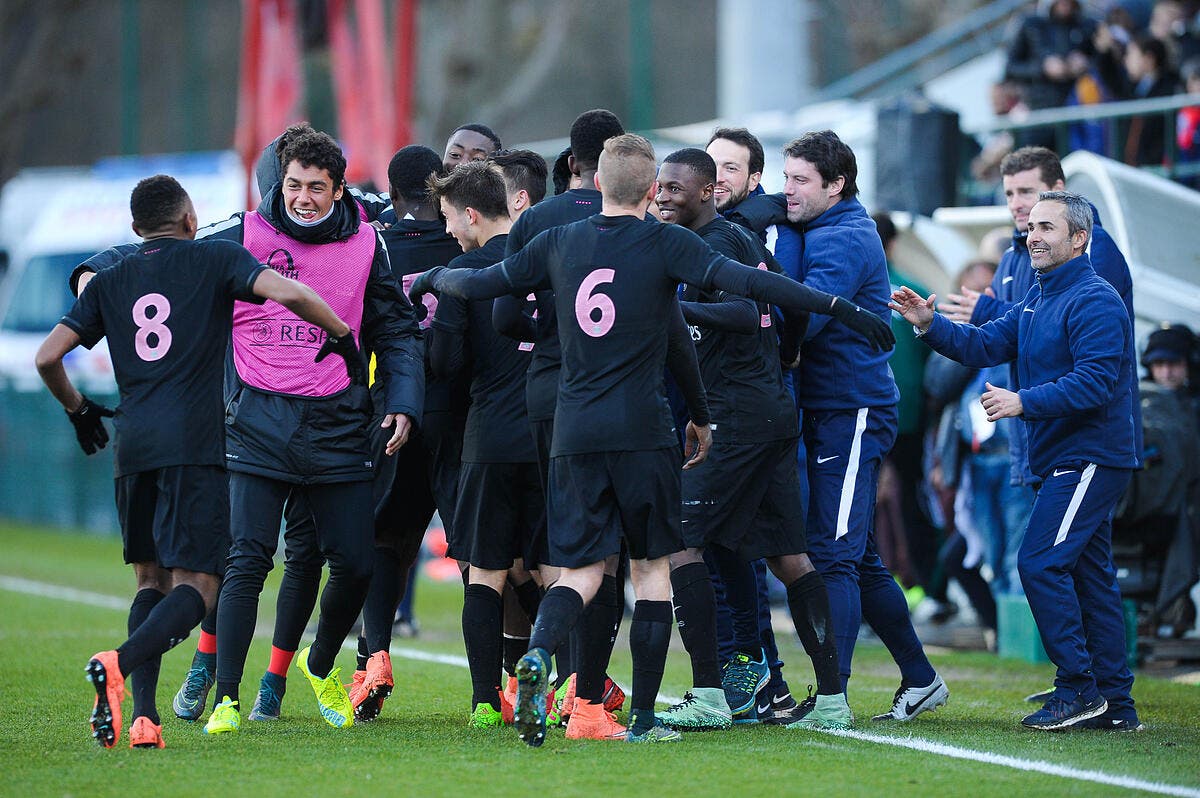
point(1068, 53)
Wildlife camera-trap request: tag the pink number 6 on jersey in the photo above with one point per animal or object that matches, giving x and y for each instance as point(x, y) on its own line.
point(589, 301)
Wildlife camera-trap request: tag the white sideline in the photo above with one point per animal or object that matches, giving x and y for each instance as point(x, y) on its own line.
point(46, 590)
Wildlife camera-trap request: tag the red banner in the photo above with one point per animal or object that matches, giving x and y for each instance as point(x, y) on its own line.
point(271, 79)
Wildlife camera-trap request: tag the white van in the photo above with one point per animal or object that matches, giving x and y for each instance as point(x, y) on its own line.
point(51, 220)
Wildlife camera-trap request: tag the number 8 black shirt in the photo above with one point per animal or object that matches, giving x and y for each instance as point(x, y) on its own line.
point(167, 310)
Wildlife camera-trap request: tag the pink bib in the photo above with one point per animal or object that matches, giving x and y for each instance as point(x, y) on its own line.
point(273, 349)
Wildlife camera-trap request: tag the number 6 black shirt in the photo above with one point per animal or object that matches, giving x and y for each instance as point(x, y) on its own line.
point(167, 310)
point(614, 282)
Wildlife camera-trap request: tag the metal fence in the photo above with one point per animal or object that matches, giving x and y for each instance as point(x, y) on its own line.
point(1111, 116)
point(44, 476)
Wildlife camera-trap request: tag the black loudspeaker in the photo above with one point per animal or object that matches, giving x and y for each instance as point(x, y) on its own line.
point(916, 156)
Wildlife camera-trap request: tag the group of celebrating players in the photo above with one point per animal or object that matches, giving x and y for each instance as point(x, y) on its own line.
point(558, 361)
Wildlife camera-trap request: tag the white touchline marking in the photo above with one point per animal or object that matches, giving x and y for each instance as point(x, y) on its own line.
point(16, 584)
point(46, 590)
point(1049, 768)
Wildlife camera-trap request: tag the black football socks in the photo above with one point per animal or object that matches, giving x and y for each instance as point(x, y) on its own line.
point(649, 637)
point(145, 676)
point(529, 596)
point(169, 622)
point(809, 604)
point(482, 617)
point(364, 654)
point(560, 609)
point(696, 614)
point(518, 621)
point(742, 599)
point(595, 632)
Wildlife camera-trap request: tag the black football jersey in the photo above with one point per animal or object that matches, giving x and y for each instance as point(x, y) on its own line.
point(415, 246)
point(167, 312)
point(497, 429)
point(614, 281)
point(746, 394)
point(570, 206)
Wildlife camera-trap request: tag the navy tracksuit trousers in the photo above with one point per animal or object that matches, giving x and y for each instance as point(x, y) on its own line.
point(1067, 571)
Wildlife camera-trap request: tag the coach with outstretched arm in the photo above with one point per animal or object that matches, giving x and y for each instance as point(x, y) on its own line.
point(1073, 345)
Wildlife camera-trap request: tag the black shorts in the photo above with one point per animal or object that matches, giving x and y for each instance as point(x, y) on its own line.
point(595, 498)
point(177, 516)
point(543, 433)
point(442, 436)
point(403, 501)
point(746, 498)
point(499, 508)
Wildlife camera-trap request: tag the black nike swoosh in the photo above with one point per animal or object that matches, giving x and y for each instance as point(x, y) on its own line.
point(911, 708)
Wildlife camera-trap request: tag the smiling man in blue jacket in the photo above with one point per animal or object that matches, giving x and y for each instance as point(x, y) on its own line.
point(1073, 345)
point(848, 395)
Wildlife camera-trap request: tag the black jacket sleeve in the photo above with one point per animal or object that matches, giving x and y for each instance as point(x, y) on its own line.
point(759, 212)
point(774, 288)
point(728, 314)
point(448, 338)
point(390, 331)
point(685, 368)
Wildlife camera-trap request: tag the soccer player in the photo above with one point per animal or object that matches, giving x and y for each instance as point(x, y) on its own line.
point(739, 158)
point(848, 395)
point(598, 630)
point(423, 476)
point(292, 429)
point(470, 142)
point(1073, 345)
point(614, 457)
point(299, 587)
point(561, 175)
point(500, 500)
point(525, 175)
point(166, 310)
point(750, 473)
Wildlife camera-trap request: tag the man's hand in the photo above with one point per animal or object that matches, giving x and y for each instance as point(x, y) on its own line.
point(1054, 67)
point(89, 428)
point(345, 347)
point(698, 440)
point(960, 307)
point(1000, 403)
point(426, 283)
point(403, 426)
point(916, 311)
point(877, 331)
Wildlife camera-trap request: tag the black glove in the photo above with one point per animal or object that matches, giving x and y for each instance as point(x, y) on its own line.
point(791, 338)
point(877, 331)
point(426, 283)
point(347, 349)
point(89, 428)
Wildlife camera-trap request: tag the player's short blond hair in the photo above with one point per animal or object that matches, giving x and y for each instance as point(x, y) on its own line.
point(627, 169)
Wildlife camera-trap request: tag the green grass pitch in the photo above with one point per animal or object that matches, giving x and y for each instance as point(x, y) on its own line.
point(421, 746)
